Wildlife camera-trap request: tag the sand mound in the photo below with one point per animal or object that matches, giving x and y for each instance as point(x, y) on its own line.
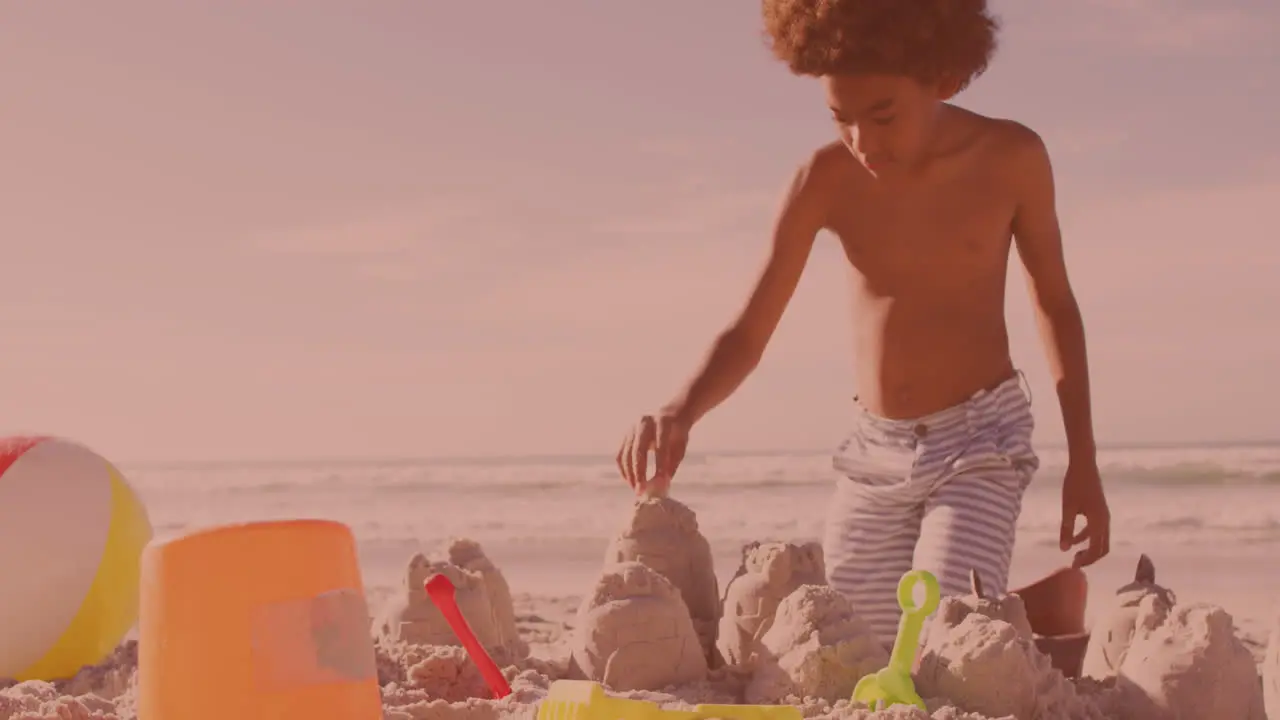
point(422, 683)
point(663, 534)
point(1161, 661)
point(1187, 663)
point(40, 700)
point(634, 632)
point(481, 593)
point(413, 618)
point(769, 572)
point(989, 666)
point(99, 692)
point(467, 554)
point(816, 647)
point(1112, 635)
point(418, 682)
point(980, 652)
point(1170, 661)
point(954, 609)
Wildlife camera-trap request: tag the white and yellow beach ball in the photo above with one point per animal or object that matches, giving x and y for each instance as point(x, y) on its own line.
point(71, 538)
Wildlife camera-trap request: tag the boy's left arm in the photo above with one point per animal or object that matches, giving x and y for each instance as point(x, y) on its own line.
point(1038, 237)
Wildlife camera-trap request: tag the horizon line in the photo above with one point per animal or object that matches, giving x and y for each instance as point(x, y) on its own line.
point(551, 458)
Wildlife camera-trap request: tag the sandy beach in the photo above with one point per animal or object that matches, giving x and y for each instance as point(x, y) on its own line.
point(977, 661)
point(549, 540)
point(428, 683)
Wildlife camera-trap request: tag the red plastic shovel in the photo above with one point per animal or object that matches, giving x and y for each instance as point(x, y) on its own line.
point(441, 591)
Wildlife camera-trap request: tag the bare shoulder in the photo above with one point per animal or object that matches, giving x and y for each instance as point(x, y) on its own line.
point(1017, 148)
point(818, 181)
point(824, 170)
point(833, 159)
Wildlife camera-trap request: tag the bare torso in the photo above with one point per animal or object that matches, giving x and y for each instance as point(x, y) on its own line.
point(929, 258)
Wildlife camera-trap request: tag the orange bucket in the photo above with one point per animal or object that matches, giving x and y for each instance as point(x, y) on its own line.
point(256, 621)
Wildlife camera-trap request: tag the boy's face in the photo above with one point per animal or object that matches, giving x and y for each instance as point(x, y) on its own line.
point(884, 120)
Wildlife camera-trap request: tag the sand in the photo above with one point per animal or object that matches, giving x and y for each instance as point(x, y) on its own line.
point(770, 571)
point(1111, 639)
point(482, 595)
point(816, 647)
point(635, 632)
point(662, 533)
point(796, 641)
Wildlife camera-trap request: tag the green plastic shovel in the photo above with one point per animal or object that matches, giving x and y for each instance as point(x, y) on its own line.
point(893, 685)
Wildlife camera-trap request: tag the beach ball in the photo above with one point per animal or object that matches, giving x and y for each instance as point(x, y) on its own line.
point(72, 533)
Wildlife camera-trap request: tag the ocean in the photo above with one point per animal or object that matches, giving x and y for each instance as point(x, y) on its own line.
point(1208, 516)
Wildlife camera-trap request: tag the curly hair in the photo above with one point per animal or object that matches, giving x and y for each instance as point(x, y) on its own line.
point(929, 40)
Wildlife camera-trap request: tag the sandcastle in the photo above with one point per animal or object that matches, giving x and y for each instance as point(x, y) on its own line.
point(769, 572)
point(1187, 662)
point(1158, 661)
point(663, 534)
point(779, 624)
point(635, 632)
point(807, 647)
point(1166, 660)
point(953, 610)
point(816, 646)
point(790, 635)
point(980, 652)
point(1113, 634)
point(467, 554)
point(482, 596)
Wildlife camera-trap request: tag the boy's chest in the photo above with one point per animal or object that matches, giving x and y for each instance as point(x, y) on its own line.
point(955, 229)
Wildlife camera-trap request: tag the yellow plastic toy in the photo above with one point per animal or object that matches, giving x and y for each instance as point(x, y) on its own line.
point(585, 700)
point(893, 685)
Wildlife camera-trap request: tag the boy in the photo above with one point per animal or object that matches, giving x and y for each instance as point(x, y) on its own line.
point(926, 199)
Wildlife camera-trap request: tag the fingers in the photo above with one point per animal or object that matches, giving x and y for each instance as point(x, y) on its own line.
point(667, 439)
point(645, 437)
point(658, 487)
point(1066, 534)
point(1099, 531)
point(676, 456)
point(622, 467)
point(624, 459)
point(671, 444)
point(662, 449)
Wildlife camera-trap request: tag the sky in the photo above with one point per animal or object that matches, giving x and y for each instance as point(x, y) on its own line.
point(248, 231)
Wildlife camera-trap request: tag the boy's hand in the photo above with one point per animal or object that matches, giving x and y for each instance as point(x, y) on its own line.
point(1082, 496)
point(666, 435)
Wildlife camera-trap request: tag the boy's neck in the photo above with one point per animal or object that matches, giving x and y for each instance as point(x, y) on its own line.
point(945, 129)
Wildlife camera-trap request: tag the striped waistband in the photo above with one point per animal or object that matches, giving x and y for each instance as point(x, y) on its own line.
point(985, 403)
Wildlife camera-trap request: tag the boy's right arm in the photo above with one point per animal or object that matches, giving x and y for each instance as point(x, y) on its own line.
point(738, 349)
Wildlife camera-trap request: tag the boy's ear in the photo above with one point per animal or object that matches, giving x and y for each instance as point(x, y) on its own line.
point(948, 88)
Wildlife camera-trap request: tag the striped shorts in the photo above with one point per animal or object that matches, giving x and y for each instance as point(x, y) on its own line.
point(940, 493)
